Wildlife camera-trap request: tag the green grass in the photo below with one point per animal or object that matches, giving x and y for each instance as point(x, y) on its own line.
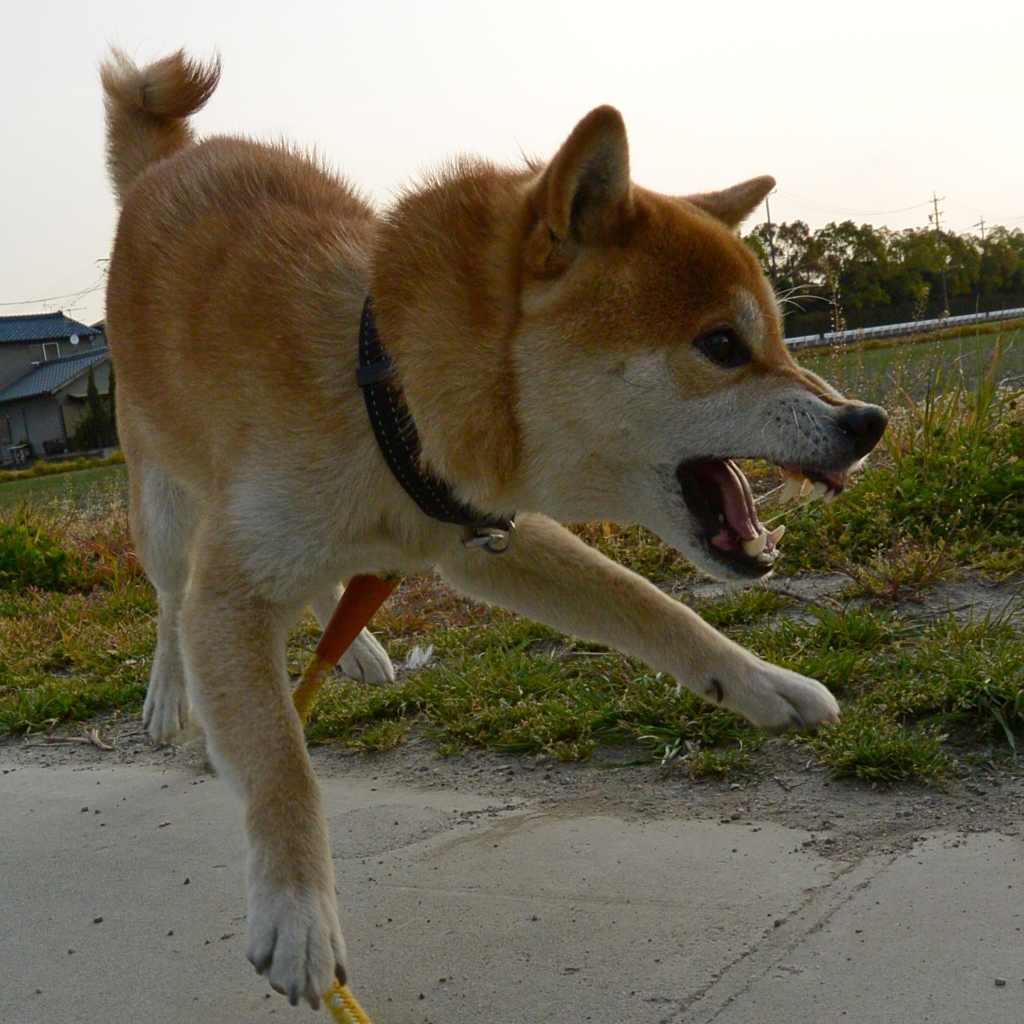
point(880, 373)
point(81, 485)
point(920, 695)
point(946, 491)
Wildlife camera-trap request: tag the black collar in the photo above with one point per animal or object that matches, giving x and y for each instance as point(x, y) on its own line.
point(400, 445)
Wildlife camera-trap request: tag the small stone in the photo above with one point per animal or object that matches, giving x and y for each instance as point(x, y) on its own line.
point(187, 882)
point(97, 920)
point(1000, 982)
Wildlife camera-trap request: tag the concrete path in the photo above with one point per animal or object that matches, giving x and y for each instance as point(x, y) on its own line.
point(121, 900)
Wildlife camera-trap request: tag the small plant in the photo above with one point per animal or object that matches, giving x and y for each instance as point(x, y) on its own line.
point(30, 556)
point(903, 572)
point(870, 745)
point(720, 762)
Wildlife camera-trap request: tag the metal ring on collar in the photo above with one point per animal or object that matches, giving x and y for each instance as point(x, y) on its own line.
point(491, 538)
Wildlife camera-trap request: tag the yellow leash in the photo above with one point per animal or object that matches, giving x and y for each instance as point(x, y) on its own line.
point(362, 597)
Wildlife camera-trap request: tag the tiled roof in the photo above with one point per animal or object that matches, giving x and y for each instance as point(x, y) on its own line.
point(49, 377)
point(42, 327)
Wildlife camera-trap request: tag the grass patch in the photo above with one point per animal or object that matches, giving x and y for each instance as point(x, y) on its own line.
point(71, 486)
point(76, 615)
point(869, 745)
point(514, 686)
point(879, 370)
point(45, 469)
point(946, 495)
point(947, 491)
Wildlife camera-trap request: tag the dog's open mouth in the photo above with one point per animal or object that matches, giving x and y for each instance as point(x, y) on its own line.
point(718, 494)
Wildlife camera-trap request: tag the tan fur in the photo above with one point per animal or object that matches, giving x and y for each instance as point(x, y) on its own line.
point(542, 322)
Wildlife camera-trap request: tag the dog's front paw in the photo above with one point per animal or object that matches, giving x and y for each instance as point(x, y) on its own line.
point(773, 698)
point(367, 661)
point(166, 709)
point(294, 939)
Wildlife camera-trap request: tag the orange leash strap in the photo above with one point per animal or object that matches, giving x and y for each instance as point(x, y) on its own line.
point(358, 604)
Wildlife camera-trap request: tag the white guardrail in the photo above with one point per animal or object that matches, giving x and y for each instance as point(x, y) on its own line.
point(896, 330)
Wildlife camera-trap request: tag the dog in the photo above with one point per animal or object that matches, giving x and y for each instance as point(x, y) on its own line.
point(568, 347)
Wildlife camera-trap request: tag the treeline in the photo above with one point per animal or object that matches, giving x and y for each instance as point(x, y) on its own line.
point(845, 275)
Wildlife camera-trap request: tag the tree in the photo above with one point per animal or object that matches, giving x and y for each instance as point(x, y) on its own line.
point(96, 428)
point(862, 275)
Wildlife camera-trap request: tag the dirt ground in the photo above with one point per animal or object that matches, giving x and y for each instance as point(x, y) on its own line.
point(846, 819)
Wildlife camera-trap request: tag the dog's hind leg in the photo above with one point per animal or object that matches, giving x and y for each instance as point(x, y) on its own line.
point(233, 638)
point(366, 660)
point(163, 518)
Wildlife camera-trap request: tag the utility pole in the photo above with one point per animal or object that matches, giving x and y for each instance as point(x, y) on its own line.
point(977, 297)
point(771, 236)
point(938, 243)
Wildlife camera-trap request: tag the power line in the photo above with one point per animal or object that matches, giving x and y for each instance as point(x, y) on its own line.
point(80, 293)
point(846, 209)
point(95, 287)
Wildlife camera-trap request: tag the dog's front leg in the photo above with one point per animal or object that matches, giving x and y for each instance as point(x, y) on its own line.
point(234, 645)
point(553, 577)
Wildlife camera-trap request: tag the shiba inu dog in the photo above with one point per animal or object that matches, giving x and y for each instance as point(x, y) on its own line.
point(569, 346)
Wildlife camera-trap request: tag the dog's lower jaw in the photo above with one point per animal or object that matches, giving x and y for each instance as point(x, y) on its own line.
point(723, 566)
point(679, 528)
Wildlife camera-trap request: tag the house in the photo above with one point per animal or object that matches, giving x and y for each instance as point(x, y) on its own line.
point(45, 359)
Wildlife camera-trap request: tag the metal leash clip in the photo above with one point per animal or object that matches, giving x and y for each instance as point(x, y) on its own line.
point(491, 538)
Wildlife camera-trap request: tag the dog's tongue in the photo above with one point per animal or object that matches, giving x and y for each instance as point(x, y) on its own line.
point(738, 503)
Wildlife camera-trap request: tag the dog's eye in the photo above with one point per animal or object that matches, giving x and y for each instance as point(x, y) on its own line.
point(724, 347)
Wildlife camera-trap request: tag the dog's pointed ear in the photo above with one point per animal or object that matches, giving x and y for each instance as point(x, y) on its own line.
point(734, 205)
point(584, 191)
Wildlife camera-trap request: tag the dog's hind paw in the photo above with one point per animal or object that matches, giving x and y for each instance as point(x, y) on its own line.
point(367, 661)
point(293, 938)
point(166, 708)
point(774, 698)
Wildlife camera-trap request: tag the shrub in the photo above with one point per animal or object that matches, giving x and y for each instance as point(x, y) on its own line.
point(31, 557)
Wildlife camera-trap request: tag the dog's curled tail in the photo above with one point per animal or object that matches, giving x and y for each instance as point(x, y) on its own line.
point(148, 109)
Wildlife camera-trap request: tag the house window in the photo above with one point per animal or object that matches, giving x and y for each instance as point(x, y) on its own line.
point(51, 350)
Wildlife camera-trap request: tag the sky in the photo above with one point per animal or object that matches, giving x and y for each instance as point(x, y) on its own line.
point(860, 110)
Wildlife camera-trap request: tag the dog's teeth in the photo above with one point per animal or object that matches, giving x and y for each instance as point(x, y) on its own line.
point(818, 491)
point(805, 488)
point(756, 546)
point(777, 534)
point(790, 489)
point(829, 496)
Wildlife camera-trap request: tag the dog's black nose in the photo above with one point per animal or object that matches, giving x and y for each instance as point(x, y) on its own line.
point(865, 424)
